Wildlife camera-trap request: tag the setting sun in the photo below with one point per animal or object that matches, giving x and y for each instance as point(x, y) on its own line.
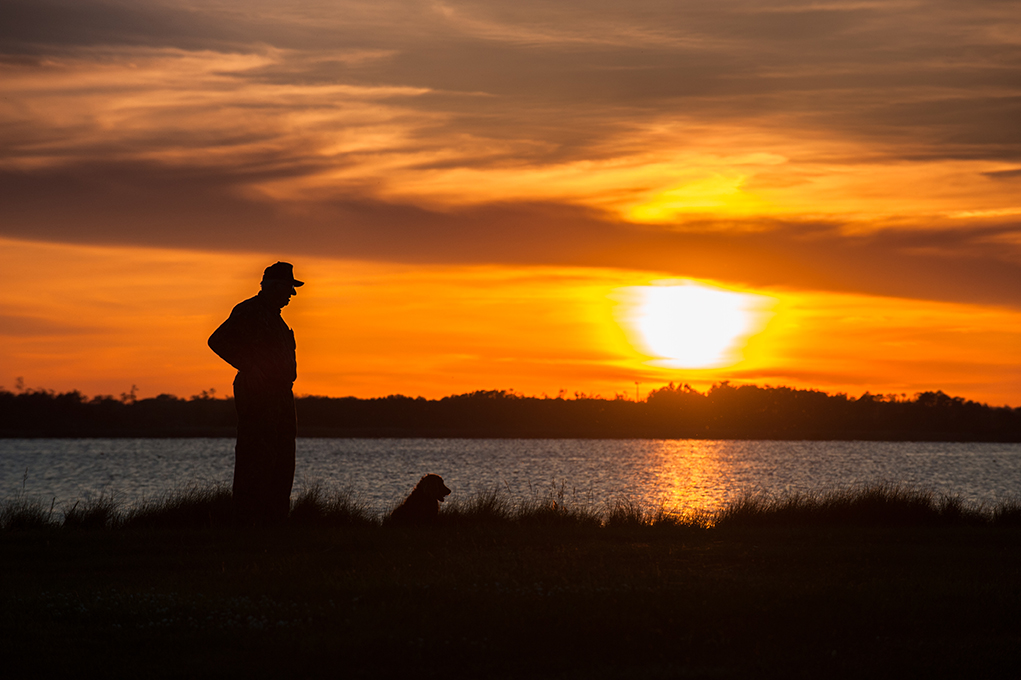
point(689, 325)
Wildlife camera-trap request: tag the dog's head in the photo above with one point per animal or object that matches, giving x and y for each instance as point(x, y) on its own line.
point(433, 487)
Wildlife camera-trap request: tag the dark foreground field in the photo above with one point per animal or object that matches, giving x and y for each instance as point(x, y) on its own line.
point(801, 590)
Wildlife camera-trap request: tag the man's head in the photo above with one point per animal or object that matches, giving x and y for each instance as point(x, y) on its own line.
point(279, 284)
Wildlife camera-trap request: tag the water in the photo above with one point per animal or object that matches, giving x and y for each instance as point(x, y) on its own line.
point(678, 474)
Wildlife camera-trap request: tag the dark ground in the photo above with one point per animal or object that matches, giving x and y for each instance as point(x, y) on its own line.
point(512, 602)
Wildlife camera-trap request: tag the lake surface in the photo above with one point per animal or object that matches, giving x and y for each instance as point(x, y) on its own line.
point(678, 474)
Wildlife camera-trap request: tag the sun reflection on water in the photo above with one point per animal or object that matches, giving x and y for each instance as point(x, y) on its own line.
point(692, 475)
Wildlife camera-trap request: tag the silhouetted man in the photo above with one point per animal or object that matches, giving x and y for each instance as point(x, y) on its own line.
point(256, 341)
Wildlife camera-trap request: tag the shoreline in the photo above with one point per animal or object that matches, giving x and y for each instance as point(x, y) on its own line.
point(326, 433)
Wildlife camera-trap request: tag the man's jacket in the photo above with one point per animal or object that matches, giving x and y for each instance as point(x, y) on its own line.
point(255, 335)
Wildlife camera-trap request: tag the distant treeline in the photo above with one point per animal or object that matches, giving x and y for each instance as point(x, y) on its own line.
point(723, 412)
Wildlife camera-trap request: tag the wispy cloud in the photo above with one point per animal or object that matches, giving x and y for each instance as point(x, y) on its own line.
point(839, 145)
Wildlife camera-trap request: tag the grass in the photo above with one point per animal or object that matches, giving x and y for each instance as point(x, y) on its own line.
point(867, 505)
point(864, 582)
point(21, 514)
point(317, 506)
point(193, 508)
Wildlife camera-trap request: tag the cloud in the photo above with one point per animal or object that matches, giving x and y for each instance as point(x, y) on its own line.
point(150, 205)
point(30, 326)
point(1004, 174)
point(45, 26)
point(832, 140)
point(937, 72)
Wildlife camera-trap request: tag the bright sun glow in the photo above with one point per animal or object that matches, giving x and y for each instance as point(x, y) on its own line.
point(691, 325)
point(717, 193)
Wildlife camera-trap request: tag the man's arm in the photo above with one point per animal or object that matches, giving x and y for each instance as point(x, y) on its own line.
point(242, 342)
point(230, 341)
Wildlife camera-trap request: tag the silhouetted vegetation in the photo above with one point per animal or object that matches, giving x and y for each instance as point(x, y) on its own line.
point(867, 582)
point(869, 505)
point(44, 413)
point(874, 505)
point(723, 412)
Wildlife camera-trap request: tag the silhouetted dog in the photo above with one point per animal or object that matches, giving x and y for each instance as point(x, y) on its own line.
point(422, 506)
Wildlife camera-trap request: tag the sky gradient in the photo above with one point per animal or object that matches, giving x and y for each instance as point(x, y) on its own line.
point(468, 187)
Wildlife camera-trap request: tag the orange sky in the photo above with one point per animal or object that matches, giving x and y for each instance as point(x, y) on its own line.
point(475, 190)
